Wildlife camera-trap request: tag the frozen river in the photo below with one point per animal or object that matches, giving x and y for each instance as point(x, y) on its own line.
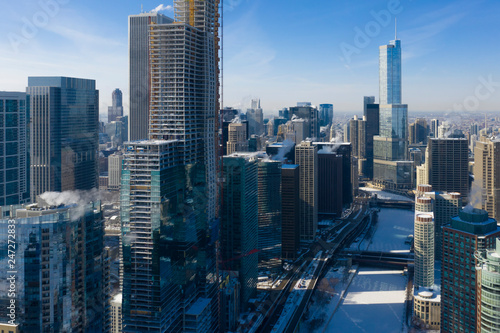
point(374, 301)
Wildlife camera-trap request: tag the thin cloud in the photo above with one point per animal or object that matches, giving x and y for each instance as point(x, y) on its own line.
point(162, 8)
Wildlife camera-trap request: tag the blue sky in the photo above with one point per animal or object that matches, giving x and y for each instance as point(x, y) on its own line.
point(281, 51)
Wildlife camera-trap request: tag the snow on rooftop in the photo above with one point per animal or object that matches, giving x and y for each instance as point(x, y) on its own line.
point(385, 195)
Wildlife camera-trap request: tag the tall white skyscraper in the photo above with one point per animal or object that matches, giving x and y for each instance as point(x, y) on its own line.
point(390, 73)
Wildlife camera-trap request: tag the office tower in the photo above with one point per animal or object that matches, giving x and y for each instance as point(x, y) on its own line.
point(411, 134)
point(467, 233)
point(237, 138)
point(416, 157)
point(424, 246)
point(115, 171)
point(64, 134)
point(488, 290)
point(446, 164)
point(434, 127)
point(116, 109)
point(421, 131)
point(239, 222)
point(310, 116)
point(139, 71)
point(290, 210)
point(366, 101)
point(329, 183)
point(474, 129)
point(347, 132)
point(59, 267)
point(362, 139)
point(306, 155)
point(14, 155)
point(325, 114)
point(391, 166)
point(269, 203)
point(114, 130)
point(371, 129)
point(487, 177)
point(255, 118)
point(444, 206)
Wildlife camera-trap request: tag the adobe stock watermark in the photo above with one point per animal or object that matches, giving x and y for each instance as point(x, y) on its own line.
point(483, 91)
point(363, 36)
point(40, 19)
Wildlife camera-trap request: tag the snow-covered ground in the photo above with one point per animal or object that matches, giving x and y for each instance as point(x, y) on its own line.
point(374, 303)
point(385, 195)
point(392, 229)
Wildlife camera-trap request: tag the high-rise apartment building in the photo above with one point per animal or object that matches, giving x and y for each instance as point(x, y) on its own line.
point(269, 203)
point(168, 188)
point(237, 138)
point(444, 206)
point(116, 109)
point(290, 208)
point(14, 155)
point(239, 221)
point(59, 267)
point(391, 166)
point(139, 71)
point(306, 155)
point(424, 247)
point(447, 165)
point(64, 134)
point(487, 176)
point(488, 289)
point(470, 231)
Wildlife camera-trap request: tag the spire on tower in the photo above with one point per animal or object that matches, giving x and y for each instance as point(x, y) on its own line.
point(396, 28)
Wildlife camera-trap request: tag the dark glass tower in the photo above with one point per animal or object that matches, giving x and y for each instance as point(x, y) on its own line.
point(64, 134)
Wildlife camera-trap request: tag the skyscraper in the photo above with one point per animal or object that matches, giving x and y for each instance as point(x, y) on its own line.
point(487, 176)
point(237, 138)
point(310, 115)
point(467, 233)
point(290, 208)
point(59, 267)
point(14, 156)
point(239, 221)
point(447, 165)
point(140, 78)
point(488, 290)
point(329, 183)
point(434, 128)
point(391, 166)
point(325, 114)
point(255, 118)
point(372, 129)
point(269, 203)
point(367, 100)
point(116, 109)
point(306, 155)
point(64, 134)
point(168, 189)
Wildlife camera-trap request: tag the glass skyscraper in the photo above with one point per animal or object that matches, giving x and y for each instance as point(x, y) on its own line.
point(391, 166)
point(59, 267)
point(14, 148)
point(64, 134)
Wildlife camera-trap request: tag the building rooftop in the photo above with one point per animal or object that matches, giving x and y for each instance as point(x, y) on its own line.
point(289, 166)
point(197, 308)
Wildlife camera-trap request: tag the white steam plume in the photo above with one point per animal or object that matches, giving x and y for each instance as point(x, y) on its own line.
point(475, 197)
point(285, 149)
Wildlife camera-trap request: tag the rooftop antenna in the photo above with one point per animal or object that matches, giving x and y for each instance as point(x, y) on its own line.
point(396, 28)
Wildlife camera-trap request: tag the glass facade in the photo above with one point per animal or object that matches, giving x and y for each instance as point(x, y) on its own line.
point(489, 278)
point(14, 148)
point(390, 73)
point(59, 267)
point(64, 137)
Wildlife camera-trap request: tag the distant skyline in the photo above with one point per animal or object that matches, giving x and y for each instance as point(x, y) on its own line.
point(279, 51)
